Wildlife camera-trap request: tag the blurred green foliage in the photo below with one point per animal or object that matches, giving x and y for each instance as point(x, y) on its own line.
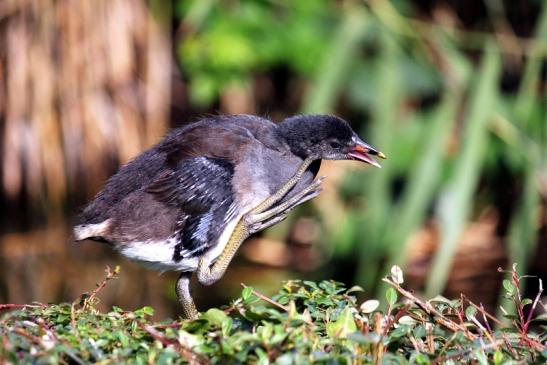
point(235, 40)
point(429, 95)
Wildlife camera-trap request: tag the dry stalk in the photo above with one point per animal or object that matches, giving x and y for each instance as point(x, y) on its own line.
point(87, 85)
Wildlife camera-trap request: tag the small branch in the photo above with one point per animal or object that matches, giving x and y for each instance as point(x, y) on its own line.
point(266, 299)
point(508, 344)
point(189, 355)
point(429, 309)
point(109, 276)
point(274, 303)
point(443, 359)
point(483, 311)
point(52, 335)
point(415, 343)
point(534, 304)
point(20, 306)
point(175, 324)
point(29, 336)
point(448, 343)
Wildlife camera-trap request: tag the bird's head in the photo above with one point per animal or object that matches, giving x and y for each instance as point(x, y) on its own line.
point(326, 137)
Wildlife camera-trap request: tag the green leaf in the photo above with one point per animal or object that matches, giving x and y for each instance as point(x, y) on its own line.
point(246, 292)
point(422, 359)
point(498, 357)
point(407, 320)
point(508, 286)
point(481, 356)
point(343, 326)
point(215, 316)
point(470, 312)
point(391, 296)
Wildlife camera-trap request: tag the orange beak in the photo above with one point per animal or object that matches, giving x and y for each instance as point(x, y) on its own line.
point(362, 152)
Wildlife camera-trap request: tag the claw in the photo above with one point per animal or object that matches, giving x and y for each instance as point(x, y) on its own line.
point(312, 194)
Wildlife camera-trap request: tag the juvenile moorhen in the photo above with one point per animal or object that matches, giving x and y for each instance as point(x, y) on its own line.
point(188, 203)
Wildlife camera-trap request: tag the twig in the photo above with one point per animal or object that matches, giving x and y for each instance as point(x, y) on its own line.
point(447, 343)
point(487, 324)
point(430, 338)
point(188, 354)
point(266, 299)
point(429, 309)
point(483, 311)
point(415, 343)
point(534, 304)
point(29, 336)
point(175, 324)
point(508, 344)
point(52, 335)
point(274, 303)
point(18, 306)
point(442, 359)
point(482, 329)
point(109, 276)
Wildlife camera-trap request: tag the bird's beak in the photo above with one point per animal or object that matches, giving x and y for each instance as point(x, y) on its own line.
point(362, 150)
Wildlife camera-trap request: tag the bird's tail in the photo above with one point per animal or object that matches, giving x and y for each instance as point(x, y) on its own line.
point(85, 231)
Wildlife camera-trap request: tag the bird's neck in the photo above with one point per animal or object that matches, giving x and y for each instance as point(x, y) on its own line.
point(294, 136)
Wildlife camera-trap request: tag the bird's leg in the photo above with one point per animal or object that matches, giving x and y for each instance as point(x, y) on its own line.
point(185, 298)
point(207, 274)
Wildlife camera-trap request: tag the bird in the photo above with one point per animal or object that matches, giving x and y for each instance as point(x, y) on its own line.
point(188, 203)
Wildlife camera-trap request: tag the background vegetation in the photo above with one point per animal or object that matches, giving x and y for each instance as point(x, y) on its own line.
point(452, 92)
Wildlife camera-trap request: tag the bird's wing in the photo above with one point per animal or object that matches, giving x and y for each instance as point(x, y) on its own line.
point(200, 163)
point(201, 188)
point(217, 141)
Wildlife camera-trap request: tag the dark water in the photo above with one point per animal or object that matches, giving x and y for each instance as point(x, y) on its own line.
point(44, 265)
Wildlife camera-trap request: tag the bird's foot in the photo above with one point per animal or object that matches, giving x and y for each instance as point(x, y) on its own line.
point(257, 221)
point(206, 273)
point(259, 226)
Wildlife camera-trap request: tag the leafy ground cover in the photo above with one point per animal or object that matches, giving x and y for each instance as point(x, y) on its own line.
point(306, 322)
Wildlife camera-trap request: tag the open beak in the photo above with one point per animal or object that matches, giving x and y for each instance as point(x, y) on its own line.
point(362, 152)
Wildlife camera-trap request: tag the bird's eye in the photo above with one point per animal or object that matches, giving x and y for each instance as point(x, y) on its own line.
point(335, 145)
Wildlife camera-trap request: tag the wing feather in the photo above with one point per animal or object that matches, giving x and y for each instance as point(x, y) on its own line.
point(201, 187)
